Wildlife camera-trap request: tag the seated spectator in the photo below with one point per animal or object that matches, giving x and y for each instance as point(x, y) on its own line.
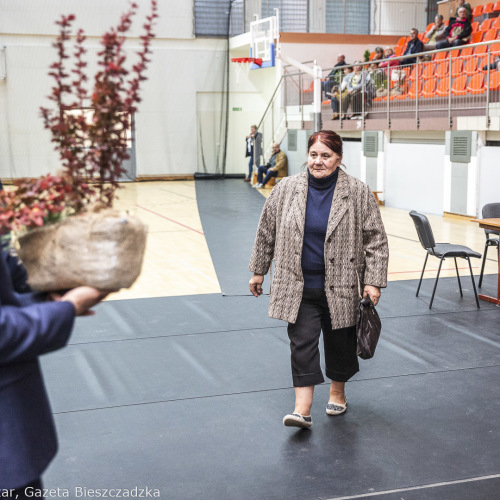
point(277, 167)
point(391, 63)
point(379, 54)
point(495, 65)
point(334, 79)
point(436, 33)
point(379, 79)
point(463, 5)
point(358, 86)
point(414, 46)
point(458, 31)
point(339, 95)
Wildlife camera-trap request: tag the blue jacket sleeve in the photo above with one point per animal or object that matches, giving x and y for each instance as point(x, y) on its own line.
point(27, 332)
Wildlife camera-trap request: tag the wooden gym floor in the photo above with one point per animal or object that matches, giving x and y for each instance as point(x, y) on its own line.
point(178, 262)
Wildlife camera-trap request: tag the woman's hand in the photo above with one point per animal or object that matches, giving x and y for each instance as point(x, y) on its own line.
point(373, 292)
point(256, 284)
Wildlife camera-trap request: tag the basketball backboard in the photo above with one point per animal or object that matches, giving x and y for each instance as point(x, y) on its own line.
point(264, 34)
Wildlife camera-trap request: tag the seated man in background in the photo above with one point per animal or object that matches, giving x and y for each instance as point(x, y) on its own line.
point(436, 33)
point(414, 47)
point(277, 167)
point(458, 31)
point(340, 95)
point(335, 76)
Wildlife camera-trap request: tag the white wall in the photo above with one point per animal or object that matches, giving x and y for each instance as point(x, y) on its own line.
point(414, 177)
point(397, 17)
point(352, 158)
point(166, 123)
point(489, 176)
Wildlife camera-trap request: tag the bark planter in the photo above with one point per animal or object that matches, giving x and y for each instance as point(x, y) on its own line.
point(102, 249)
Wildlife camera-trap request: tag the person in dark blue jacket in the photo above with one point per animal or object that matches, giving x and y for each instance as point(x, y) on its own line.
point(414, 46)
point(29, 329)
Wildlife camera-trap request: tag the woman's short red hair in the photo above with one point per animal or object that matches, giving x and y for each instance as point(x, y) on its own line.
point(329, 138)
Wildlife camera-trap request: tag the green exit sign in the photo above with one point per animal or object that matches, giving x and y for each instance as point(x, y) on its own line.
point(237, 109)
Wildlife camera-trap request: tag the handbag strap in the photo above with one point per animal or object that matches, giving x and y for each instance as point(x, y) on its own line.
point(359, 286)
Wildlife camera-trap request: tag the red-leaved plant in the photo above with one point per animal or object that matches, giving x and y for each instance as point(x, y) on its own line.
point(88, 128)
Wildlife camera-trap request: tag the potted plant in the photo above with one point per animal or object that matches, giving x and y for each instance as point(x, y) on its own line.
point(67, 232)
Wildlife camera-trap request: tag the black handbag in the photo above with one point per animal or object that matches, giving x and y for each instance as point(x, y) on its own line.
point(367, 329)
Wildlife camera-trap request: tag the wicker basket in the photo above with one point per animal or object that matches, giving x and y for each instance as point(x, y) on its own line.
point(101, 249)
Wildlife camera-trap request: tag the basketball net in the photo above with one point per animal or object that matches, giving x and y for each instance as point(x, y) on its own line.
point(243, 65)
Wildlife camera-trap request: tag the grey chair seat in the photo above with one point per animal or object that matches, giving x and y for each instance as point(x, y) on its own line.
point(442, 251)
point(451, 250)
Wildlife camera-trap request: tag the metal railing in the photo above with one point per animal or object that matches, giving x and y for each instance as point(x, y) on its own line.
point(273, 124)
point(450, 85)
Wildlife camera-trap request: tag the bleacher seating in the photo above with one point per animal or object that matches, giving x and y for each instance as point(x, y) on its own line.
point(433, 79)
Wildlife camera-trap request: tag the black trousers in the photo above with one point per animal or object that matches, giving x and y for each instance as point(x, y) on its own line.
point(340, 345)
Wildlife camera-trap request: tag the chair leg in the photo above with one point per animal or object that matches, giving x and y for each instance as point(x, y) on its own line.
point(482, 265)
point(422, 275)
point(436, 283)
point(473, 284)
point(458, 276)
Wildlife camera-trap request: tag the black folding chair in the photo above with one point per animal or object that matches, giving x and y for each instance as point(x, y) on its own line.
point(490, 211)
point(442, 251)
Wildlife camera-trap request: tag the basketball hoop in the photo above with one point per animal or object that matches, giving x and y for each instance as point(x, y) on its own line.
point(244, 65)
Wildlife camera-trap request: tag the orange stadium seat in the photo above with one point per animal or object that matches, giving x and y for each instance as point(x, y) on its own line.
point(475, 26)
point(494, 81)
point(414, 75)
point(414, 89)
point(458, 85)
point(457, 67)
point(467, 51)
point(429, 71)
point(470, 67)
point(478, 10)
point(496, 23)
point(488, 8)
point(482, 61)
point(454, 53)
point(398, 50)
point(476, 84)
point(443, 87)
point(486, 24)
point(490, 35)
point(440, 56)
point(401, 41)
point(476, 37)
point(496, 7)
point(482, 49)
point(442, 69)
point(429, 89)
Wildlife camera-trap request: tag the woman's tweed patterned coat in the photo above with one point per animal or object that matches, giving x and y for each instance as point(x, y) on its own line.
point(355, 244)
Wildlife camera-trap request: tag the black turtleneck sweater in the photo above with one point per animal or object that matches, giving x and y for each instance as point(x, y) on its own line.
point(319, 202)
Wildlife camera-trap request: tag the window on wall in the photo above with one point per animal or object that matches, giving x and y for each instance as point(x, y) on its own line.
point(293, 14)
point(348, 16)
point(211, 17)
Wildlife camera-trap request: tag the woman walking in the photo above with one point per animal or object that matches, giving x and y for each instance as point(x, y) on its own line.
point(324, 231)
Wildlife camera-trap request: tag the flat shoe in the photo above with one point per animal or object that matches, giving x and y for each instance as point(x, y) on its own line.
point(336, 408)
point(297, 420)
